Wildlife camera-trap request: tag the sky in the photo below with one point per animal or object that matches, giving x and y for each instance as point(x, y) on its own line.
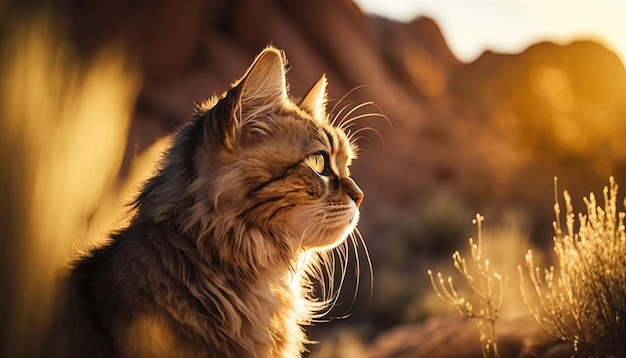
point(510, 26)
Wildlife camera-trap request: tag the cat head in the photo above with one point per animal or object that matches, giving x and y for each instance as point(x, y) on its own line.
point(256, 163)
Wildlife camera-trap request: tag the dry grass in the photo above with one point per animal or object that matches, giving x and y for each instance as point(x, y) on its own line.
point(63, 131)
point(487, 287)
point(583, 299)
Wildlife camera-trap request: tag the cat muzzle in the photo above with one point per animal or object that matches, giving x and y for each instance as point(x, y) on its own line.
point(353, 190)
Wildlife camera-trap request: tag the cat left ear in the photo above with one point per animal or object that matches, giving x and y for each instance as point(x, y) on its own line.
point(264, 83)
point(314, 102)
point(262, 88)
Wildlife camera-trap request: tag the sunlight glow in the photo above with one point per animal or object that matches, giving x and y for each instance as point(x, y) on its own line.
point(473, 26)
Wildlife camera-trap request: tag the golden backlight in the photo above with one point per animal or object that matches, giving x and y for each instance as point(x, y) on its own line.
point(63, 133)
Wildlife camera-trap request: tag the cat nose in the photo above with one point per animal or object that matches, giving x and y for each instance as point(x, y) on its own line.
point(353, 190)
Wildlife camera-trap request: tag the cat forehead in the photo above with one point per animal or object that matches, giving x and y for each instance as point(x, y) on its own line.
point(299, 129)
point(336, 139)
point(338, 144)
point(332, 137)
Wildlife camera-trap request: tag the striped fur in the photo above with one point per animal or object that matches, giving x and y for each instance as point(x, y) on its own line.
point(217, 261)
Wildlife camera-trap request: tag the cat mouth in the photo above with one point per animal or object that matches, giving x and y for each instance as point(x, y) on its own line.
point(334, 234)
point(348, 215)
point(323, 227)
point(354, 219)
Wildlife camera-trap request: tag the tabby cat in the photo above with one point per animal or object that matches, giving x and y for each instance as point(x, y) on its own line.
point(216, 261)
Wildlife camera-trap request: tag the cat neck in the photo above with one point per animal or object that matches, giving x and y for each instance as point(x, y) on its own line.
point(241, 252)
point(266, 305)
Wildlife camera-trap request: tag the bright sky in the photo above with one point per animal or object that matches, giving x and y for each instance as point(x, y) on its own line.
point(472, 26)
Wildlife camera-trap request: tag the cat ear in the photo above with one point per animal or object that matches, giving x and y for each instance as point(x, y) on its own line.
point(262, 88)
point(264, 83)
point(314, 102)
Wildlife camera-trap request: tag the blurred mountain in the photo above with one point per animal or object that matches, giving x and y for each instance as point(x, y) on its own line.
point(493, 132)
point(496, 130)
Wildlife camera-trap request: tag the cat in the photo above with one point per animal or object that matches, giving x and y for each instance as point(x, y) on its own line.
point(217, 259)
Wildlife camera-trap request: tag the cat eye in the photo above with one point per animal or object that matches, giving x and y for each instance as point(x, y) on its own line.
point(318, 162)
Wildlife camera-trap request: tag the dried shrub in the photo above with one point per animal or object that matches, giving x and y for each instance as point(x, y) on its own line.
point(583, 299)
point(487, 289)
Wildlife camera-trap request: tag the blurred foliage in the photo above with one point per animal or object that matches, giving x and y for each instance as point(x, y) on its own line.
point(346, 344)
point(427, 233)
point(437, 225)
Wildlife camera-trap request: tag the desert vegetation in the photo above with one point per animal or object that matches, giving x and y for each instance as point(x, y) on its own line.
point(582, 298)
point(487, 291)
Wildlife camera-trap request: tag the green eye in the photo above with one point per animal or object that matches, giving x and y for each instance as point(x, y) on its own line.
point(317, 162)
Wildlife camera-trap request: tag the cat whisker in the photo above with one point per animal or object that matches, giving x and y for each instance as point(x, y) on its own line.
point(355, 244)
point(325, 272)
point(356, 140)
point(335, 116)
point(331, 289)
point(323, 267)
point(357, 268)
point(349, 122)
point(333, 294)
point(377, 113)
point(344, 97)
point(380, 113)
point(368, 128)
point(328, 294)
point(346, 118)
point(341, 252)
point(370, 267)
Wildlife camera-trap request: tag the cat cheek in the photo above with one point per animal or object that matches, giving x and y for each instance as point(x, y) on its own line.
point(301, 222)
point(315, 186)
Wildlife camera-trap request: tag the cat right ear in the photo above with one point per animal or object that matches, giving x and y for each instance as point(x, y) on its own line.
point(314, 102)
